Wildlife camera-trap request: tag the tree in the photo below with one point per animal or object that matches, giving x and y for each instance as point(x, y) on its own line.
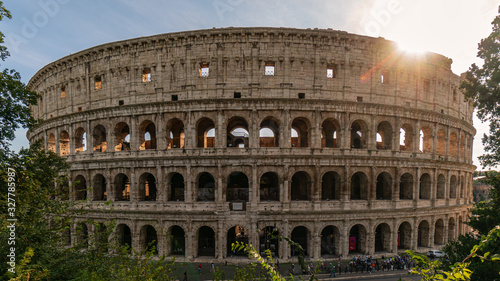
point(482, 85)
point(33, 186)
point(15, 98)
point(477, 255)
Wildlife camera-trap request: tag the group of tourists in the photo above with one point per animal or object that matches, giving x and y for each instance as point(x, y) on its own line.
point(361, 264)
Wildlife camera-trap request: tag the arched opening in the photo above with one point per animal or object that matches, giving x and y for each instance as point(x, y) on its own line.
point(268, 238)
point(384, 186)
point(451, 229)
point(406, 138)
point(66, 236)
point(205, 133)
point(384, 131)
point(99, 139)
point(425, 145)
point(147, 135)
point(406, 187)
point(177, 241)
point(330, 186)
point(269, 187)
point(453, 187)
point(439, 232)
point(236, 234)
point(101, 237)
point(460, 225)
point(425, 187)
point(52, 143)
point(462, 186)
point(462, 145)
point(206, 187)
point(301, 186)
point(440, 188)
point(269, 133)
point(124, 236)
point(99, 187)
point(453, 144)
point(404, 236)
point(300, 132)
point(175, 134)
point(423, 234)
point(177, 187)
point(330, 133)
point(383, 238)
point(237, 187)
point(80, 140)
point(357, 239)
point(122, 137)
point(64, 143)
point(300, 235)
point(150, 239)
point(330, 239)
point(237, 132)
point(80, 188)
point(358, 134)
point(359, 186)
point(122, 188)
point(206, 241)
point(441, 142)
point(147, 187)
point(82, 235)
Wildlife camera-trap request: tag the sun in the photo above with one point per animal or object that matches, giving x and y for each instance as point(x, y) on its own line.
point(410, 46)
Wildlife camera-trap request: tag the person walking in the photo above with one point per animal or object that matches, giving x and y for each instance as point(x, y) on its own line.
point(199, 268)
point(185, 276)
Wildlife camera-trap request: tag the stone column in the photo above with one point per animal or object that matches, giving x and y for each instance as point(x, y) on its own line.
point(188, 197)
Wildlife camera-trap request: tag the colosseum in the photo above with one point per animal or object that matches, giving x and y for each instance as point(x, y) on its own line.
point(193, 140)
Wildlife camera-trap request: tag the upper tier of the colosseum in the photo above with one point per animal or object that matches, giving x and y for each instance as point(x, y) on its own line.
point(257, 63)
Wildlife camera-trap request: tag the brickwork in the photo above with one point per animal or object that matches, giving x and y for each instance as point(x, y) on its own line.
point(215, 136)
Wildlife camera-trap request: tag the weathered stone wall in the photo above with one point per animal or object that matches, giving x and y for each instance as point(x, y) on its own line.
point(362, 140)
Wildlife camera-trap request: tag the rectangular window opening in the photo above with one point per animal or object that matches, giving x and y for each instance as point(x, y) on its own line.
point(269, 68)
point(204, 70)
point(79, 108)
point(331, 71)
point(359, 99)
point(237, 95)
point(175, 97)
point(120, 102)
point(63, 92)
point(146, 75)
point(302, 95)
point(98, 82)
point(384, 78)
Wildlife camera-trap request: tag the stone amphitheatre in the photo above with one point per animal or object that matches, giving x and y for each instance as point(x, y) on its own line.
point(202, 138)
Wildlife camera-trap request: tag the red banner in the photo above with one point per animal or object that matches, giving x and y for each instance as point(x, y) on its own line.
point(352, 243)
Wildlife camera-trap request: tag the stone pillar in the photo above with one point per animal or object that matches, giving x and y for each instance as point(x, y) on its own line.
point(254, 130)
point(188, 197)
point(190, 243)
point(220, 239)
point(396, 134)
point(134, 134)
point(316, 241)
point(161, 137)
point(134, 186)
point(394, 238)
point(254, 187)
point(344, 239)
point(220, 130)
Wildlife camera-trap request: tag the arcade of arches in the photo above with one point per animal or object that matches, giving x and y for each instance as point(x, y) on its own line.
point(205, 239)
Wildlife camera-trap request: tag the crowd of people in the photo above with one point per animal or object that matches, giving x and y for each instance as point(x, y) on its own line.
point(360, 264)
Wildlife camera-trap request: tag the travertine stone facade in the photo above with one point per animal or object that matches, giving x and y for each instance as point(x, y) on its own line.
point(203, 138)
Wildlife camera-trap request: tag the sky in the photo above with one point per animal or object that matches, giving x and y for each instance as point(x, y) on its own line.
point(42, 31)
